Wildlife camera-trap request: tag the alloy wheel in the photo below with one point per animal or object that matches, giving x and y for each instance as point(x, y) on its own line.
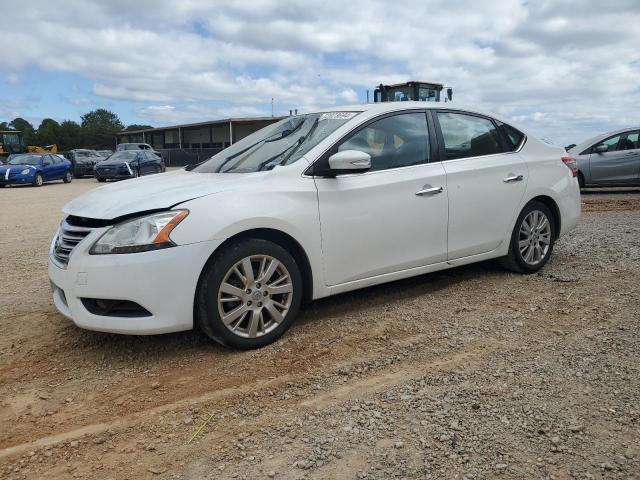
point(255, 296)
point(535, 237)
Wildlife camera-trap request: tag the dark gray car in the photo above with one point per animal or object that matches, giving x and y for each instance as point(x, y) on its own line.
point(609, 160)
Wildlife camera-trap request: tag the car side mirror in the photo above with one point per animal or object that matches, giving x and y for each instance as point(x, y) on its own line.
point(46, 164)
point(350, 161)
point(601, 149)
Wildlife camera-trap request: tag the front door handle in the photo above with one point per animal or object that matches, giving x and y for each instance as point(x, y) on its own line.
point(429, 190)
point(513, 178)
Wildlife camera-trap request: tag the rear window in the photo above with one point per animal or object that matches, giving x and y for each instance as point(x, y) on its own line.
point(468, 136)
point(513, 137)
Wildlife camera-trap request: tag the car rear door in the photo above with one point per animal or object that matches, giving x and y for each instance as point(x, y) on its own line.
point(485, 182)
point(619, 165)
point(388, 219)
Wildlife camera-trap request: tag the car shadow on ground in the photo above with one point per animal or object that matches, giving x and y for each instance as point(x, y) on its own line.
point(331, 309)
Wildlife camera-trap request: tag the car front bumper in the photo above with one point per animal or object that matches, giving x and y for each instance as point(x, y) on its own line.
point(83, 169)
point(162, 281)
point(113, 174)
point(17, 178)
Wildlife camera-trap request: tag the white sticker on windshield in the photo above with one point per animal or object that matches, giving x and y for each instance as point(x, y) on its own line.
point(337, 115)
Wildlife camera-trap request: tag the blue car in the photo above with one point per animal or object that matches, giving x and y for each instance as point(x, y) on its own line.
point(35, 169)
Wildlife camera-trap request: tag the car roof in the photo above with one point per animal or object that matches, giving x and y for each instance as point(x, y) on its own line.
point(598, 138)
point(385, 107)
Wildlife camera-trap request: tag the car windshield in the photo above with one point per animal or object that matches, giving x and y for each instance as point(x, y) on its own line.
point(25, 160)
point(281, 143)
point(128, 146)
point(123, 156)
point(84, 154)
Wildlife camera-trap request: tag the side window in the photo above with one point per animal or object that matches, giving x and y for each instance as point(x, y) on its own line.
point(468, 136)
point(397, 141)
point(630, 141)
point(611, 143)
point(513, 137)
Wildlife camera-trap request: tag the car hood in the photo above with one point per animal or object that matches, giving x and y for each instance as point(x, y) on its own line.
point(153, 192)
point(14, 168)
point(111, 163)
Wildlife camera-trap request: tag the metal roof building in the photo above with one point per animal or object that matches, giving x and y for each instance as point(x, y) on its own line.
point(193, 142)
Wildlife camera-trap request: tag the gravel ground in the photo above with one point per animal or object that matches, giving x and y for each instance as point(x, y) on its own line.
point(470, 373)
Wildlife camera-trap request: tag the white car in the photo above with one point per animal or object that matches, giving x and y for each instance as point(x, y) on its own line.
point(308, 207)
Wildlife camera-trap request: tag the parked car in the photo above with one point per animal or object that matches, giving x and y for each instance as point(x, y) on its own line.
point(609, 160)
point(128, 164)
point(121, 147)
point(308, 207)
point(35, 169)
point(105, 153)
point(83, 161)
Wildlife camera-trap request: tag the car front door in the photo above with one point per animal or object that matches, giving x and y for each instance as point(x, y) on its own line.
point(485, 182)
point(392, 217)
point(619, 164)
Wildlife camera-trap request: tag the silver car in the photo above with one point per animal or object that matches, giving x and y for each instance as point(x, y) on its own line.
point(609, 160)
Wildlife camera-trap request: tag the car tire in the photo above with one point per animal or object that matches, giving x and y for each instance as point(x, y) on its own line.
point(67, 177)
point(580, 180)
point(38, 180)
point(246, 312)
point(101, 180)
point(532, 239)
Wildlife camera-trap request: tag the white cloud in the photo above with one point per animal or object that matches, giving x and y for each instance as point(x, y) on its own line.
point(566, 71)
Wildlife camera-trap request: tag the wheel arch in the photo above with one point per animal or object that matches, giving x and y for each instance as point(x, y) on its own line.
point(551, 204)
point(284, 240)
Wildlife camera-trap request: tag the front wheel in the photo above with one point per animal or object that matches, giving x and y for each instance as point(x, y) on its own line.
point(249, 294)
point(67, 177)
point(532, 239)
point(38, 181)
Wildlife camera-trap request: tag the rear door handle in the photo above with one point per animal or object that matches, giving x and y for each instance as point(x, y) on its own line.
point(513, 178)
point(429, 190)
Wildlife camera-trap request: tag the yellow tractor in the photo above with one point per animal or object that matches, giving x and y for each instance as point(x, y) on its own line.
point(48, 149)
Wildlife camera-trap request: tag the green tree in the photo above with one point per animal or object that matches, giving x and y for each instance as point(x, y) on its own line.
point(70, 136)
point(28, 132)
point(48, 132)
point(135, 126)
point(99, 128)
point(5, 126)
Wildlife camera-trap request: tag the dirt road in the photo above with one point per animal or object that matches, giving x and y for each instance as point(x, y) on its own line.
point(469, 373)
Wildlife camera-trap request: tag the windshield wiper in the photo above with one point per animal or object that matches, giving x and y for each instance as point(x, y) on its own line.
point(295, 146)
point(301, 140)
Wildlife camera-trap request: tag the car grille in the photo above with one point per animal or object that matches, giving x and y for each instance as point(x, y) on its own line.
point(68, 238)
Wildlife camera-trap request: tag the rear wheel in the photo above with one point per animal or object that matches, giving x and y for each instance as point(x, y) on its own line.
point(580, 180)
point(249, 294)
point(39, 180)
point(532, 239)
point(67, 177)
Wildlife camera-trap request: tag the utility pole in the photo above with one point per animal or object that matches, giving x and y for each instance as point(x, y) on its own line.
point(272, 106)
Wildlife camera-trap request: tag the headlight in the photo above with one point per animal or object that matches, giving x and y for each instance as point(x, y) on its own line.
point(26, 171)
point(140, 234)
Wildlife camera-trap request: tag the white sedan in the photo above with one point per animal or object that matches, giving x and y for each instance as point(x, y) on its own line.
point(308, 207)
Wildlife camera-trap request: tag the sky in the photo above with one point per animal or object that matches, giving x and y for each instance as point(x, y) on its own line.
point(563, 70)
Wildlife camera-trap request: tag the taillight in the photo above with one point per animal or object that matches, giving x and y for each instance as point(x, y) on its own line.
point(571, 164)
